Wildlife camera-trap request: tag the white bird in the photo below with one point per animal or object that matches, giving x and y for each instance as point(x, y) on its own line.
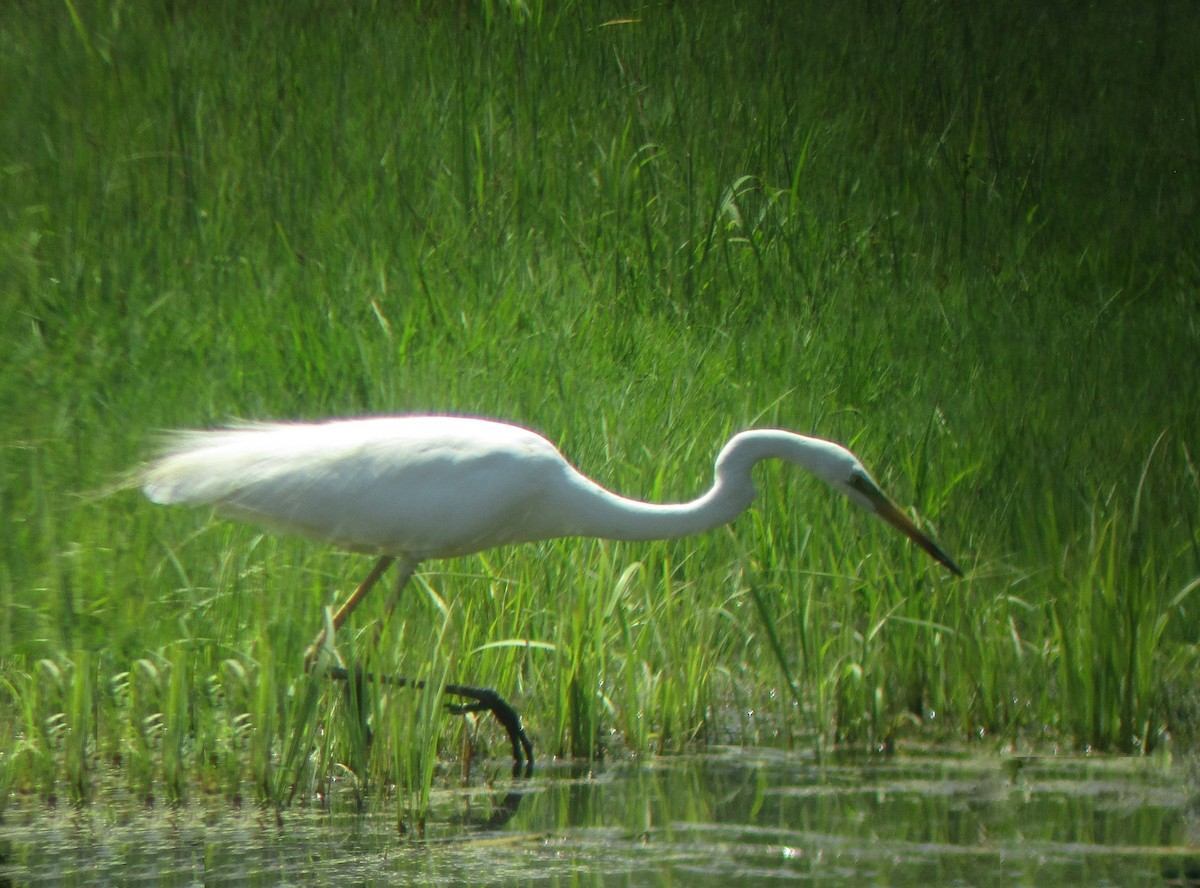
point(411, 488)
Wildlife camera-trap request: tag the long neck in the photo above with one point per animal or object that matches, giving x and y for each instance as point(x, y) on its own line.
point(596, 512)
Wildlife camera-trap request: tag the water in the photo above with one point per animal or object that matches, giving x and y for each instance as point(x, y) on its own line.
point(719, 819)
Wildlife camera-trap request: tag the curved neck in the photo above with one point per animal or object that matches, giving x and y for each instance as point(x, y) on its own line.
point(613, 517)
point(597, 512)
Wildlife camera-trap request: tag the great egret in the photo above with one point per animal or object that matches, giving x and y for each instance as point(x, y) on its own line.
point(410, 488)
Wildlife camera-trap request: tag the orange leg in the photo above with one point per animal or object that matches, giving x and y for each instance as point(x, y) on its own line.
point(481, 698)
point(353, 602)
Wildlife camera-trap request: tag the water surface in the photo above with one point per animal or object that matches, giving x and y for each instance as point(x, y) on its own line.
point(729, 817)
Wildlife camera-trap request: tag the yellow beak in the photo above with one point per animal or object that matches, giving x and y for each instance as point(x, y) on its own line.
point(889, 512)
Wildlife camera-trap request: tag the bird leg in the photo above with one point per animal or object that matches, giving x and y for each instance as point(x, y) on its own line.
point(486, 698)
point(343, 613)
point(482, 698)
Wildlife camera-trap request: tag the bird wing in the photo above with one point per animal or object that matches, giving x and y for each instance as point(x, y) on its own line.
point(430, 488)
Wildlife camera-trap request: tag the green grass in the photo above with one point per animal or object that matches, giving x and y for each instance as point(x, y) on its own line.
point(960, 241)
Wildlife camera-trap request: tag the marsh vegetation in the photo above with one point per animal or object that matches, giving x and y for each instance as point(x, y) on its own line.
point(960, 240)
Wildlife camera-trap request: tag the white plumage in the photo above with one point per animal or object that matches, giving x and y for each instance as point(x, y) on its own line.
point(423, 487)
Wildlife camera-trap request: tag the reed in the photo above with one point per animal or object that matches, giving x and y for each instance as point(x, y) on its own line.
point(961, 244)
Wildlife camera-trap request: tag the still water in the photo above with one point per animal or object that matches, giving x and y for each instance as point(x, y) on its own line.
point(732, 817)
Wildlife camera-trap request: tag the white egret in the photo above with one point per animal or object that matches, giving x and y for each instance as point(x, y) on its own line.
point(411, 488)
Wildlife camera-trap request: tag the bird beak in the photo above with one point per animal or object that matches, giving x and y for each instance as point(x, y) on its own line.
point(889, 512)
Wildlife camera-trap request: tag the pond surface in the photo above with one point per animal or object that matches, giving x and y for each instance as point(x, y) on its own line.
point(724, 818)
